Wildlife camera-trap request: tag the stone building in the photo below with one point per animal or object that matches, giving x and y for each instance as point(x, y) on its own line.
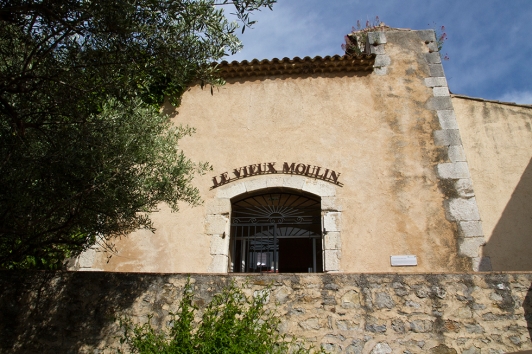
point(354, 164)
point(361, 167)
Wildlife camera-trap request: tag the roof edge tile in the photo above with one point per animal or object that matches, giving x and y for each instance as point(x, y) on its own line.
point(297, 65)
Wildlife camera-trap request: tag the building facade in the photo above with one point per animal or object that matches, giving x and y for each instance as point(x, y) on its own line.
point(362, 163)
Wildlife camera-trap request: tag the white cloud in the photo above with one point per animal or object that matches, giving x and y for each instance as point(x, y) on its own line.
point(285, 32)
point(521, 97)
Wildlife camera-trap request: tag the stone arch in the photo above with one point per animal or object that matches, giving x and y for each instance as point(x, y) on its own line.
point(218, 212)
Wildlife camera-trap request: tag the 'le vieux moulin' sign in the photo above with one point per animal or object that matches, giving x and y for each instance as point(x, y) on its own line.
point(269, 168)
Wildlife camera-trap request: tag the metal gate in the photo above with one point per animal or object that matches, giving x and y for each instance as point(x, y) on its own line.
point(276, 232)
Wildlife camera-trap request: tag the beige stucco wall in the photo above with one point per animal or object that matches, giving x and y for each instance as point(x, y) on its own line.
point(375, 129)
point(498, 143)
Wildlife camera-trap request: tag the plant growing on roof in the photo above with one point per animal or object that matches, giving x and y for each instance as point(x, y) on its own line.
point(355, 42)
point(441, 37)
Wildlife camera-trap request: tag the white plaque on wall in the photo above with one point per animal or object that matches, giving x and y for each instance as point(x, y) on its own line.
point(403, 260)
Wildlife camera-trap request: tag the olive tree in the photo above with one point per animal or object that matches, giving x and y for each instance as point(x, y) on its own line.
point(85, 153)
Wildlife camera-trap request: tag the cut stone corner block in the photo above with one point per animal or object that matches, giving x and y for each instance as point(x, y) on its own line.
point(447, 137)
point(482, 264)
point(439, 103)
point(470, 228)
point(382, 60)
point(436, 70)
point(440, 91)
point(218, 206)
point(216, 224)
point(453, 170)
point(432, 46)
point(332, 241)
point(470, 247)
point(377, 49)
point(376, 37)
point(72, 264)
point(330, 204)
point(219, 264)
point(220, 244)
point(464, 188)
point(447, 119)
point(332, 221)
point(85, 261)
point(433, 58)
point(456, 153)
point(380, 71)
point(331, 260)
point(460, 209)
point(427, 35)
point(436, 82)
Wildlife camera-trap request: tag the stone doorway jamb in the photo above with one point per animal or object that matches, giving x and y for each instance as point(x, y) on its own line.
point(218, 216)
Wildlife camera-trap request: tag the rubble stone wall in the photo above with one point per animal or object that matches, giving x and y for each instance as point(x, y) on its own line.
point(75, 312)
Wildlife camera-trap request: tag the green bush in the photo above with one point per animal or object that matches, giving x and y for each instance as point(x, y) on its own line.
point(231, 323)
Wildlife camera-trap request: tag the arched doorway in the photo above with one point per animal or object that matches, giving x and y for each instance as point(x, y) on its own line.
point(276, 231)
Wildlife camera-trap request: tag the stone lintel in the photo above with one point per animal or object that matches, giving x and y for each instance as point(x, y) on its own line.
point(320, 188)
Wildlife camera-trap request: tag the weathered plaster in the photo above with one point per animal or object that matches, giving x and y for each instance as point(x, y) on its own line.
point(497, 140)
point(460, 208)
point(381, 130)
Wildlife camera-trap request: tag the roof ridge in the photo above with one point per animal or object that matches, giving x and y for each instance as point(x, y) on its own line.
point(491, 101)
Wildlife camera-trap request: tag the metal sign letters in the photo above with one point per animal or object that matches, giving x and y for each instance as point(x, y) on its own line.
point(265, 168)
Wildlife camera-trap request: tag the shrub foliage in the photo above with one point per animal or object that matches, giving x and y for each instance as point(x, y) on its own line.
point(231, 323)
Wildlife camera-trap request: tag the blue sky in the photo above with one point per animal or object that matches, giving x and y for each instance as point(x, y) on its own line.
point(489, 42)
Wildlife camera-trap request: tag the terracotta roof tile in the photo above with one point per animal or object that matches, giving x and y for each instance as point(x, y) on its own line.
point(297, 66)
